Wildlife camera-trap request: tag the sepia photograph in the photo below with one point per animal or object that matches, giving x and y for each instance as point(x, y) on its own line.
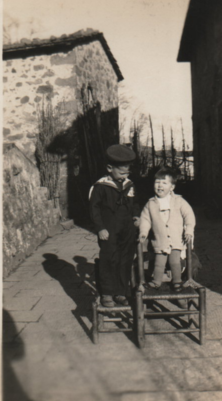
point(111, 200)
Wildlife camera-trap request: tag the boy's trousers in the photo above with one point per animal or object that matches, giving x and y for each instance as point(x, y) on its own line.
point(117, 253)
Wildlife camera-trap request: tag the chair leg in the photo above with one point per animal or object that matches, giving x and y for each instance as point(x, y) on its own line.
point(190, 319)
point(202, 314)
point(140, 320)
point(95, 332)
point(100, 321)
point(205, 311)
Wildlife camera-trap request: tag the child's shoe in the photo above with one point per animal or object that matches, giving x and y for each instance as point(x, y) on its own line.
point(120, 299)
point(151, 284)
point(177, 287)
point(107, 301)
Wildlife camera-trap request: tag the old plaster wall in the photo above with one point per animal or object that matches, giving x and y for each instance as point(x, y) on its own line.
point(28, 215)
point(206, 68)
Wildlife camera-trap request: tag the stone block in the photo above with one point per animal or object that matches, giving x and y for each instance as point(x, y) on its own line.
point(25, 316)
point(67, 225)
point(24, 99)
point(43, 193)
point(15, 137)
point(6, 132)
point(38, 67)
point(45, 89)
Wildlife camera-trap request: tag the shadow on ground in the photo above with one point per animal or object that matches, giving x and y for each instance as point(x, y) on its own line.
point(13, 349)
point(78, 282)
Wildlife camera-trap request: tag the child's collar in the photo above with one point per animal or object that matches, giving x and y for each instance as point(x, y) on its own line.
point(108, 180)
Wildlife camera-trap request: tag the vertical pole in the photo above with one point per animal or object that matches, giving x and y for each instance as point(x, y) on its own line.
point(184, 151)
point(152, 140)
point(172, 148)
point(95, 324)
point(163, 147)
point(140, 320)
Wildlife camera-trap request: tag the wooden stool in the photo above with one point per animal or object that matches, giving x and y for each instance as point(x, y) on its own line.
point(102, 319)
point(192, 292)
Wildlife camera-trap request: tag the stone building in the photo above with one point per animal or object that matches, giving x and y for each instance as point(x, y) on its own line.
point(201, 45)
point(60, 114)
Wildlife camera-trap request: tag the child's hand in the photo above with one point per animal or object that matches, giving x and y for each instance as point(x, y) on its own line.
point(103, 235)
point(187, 238)
point(142, 238)
point(136, 221)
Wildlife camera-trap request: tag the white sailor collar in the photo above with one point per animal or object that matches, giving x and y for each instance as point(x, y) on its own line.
point(108, 180)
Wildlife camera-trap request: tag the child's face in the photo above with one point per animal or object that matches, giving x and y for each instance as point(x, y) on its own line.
point(119, 173)
point(163, 186)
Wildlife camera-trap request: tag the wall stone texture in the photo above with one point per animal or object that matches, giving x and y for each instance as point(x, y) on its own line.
point(61, 80)
point(28, 215)
point(206, 69)
point(60, 77)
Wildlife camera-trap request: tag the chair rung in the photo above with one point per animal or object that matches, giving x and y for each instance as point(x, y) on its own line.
point(103, 309)
point(170, 313)
point(113, 319)
point(112, 330)
point(172, 331)
point(168, 297)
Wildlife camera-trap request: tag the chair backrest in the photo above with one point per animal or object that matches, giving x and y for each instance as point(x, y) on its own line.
point(140, 264)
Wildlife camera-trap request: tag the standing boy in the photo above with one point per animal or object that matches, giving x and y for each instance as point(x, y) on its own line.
point(115, 215)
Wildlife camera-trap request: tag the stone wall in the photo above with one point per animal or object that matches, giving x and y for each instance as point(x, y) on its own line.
point(206, 68)
point(60, 77)
point(66, 80)
point(28, 215)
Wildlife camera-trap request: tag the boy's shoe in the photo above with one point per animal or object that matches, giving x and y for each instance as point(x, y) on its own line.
point(151, 284)
point(177, 287)
point(107, 301)
point(120, 299)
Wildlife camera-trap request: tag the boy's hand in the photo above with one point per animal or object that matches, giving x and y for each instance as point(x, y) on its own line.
point(103, 235)
point(136, 221)
point(187, 238)
point(142, 238)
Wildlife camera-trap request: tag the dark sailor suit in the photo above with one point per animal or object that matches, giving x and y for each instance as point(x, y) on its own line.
point(112, 207)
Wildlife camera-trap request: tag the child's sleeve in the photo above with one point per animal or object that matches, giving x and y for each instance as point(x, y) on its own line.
point(188, 217)
point(95, 207)
point(145, 221)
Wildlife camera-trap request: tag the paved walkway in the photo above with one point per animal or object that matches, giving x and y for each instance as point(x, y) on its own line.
point(49, 354)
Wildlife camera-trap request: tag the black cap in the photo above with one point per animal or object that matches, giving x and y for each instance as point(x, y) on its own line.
point(120, 154)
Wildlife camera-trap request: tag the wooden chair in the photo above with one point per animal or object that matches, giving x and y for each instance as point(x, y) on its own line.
point(110, 320)
point(193, 292)
point(104, 317)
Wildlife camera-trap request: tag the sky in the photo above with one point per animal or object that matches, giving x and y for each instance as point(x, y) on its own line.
point(144, 37)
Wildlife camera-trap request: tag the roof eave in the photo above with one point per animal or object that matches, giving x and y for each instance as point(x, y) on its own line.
point(54, 45)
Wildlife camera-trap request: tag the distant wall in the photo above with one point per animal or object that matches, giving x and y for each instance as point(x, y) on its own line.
point(28, 215)
point(206, 68)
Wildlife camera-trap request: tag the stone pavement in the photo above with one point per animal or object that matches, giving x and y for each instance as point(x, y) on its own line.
point(48, 349)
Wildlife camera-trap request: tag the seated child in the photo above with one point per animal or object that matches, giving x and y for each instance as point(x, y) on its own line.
point(172, 222)
point(115, 215)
